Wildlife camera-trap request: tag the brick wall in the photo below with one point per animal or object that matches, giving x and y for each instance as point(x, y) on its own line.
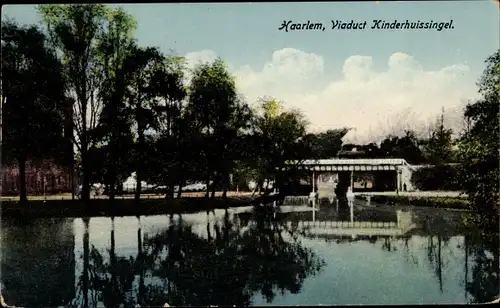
point(43, 178)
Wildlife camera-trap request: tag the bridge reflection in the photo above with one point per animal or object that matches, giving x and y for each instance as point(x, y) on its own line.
point(397, 223)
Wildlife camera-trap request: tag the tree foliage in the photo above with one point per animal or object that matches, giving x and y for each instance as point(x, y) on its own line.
point(439, 147)
point(33, 99)
point(279, 141)
point(327, 144)
point(479, 146)
point(114, 128)
point(218, 116)
point(406, 147)
point(76, 32)
point(441, 177)
point(134, 110)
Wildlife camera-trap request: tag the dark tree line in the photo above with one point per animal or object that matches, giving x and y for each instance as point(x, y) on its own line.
point(132, 110)
point(33, 101)
point(479, 148)
point(239, 259)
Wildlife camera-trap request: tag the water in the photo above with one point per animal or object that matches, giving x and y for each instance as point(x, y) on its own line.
point(249, 256)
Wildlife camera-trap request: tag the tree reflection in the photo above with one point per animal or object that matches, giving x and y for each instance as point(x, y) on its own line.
point(481, 256)
point(274, 261)
point(82, 288)
point(113, 279)
point(485, 251)
point(107, 281)
point(236, 260)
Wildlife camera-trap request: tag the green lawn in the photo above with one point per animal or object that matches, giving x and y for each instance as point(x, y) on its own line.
point(439, 202)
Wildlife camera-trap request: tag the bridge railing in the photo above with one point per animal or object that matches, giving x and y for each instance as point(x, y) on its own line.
point(346, 224)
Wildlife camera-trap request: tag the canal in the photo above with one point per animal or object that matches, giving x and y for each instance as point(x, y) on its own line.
point(249, 256)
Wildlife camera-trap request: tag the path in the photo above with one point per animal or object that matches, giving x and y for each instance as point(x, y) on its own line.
point(127, 196)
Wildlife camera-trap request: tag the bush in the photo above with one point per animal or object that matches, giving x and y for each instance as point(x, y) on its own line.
point(438, 202)
point(443, 177)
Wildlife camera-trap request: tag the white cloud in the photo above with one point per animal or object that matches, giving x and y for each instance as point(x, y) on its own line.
point(376, 103)
point(194, 58)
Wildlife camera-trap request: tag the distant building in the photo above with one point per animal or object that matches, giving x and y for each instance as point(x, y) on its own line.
point(50, 176)
point(46, 177)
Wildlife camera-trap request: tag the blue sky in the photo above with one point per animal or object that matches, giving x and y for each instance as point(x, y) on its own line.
point(378, 81)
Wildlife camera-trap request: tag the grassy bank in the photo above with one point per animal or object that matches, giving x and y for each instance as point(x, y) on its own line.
point(436, 202)
point(119, 207)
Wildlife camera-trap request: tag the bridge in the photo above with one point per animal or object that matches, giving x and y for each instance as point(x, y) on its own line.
point(401, 226)
point(397, 173)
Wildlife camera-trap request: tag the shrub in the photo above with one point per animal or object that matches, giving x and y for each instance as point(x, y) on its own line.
point(443, 177)
point(439, 202)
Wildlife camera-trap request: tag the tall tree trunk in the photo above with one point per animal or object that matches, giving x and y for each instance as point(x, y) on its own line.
point(84, 142)
point(112, 183)
point(225, 185)
point(85, 194)
point(138, 171)
point(72, 174)
point(112, 191)
point(171, 191)
point(169, 128)
point(179, 191)
point(113, 177)
point(137, 186)
point(214, 184)
point(207, 182)
point(23, 196)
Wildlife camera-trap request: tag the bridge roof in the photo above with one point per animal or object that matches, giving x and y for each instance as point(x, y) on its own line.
point(354, 161)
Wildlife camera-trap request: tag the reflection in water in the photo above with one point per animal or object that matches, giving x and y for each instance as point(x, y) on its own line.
point(485, 283)
point(481, 249)
point(229, 258)
point(236, 261)
point(36, 256)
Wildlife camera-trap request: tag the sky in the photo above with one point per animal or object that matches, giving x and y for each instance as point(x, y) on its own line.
point(377, 81)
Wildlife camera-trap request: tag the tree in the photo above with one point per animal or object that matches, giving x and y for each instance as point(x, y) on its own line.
point(75, 31)
point(172, 158)
point(279, 142)
point(32, 97)
point(114, 128)
point(406, 147)
point(218, 115)
point(327, 144)
point(440, 177)
point(168, 85)
point(478, 148)
point(439, 145)
point(140, 67)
